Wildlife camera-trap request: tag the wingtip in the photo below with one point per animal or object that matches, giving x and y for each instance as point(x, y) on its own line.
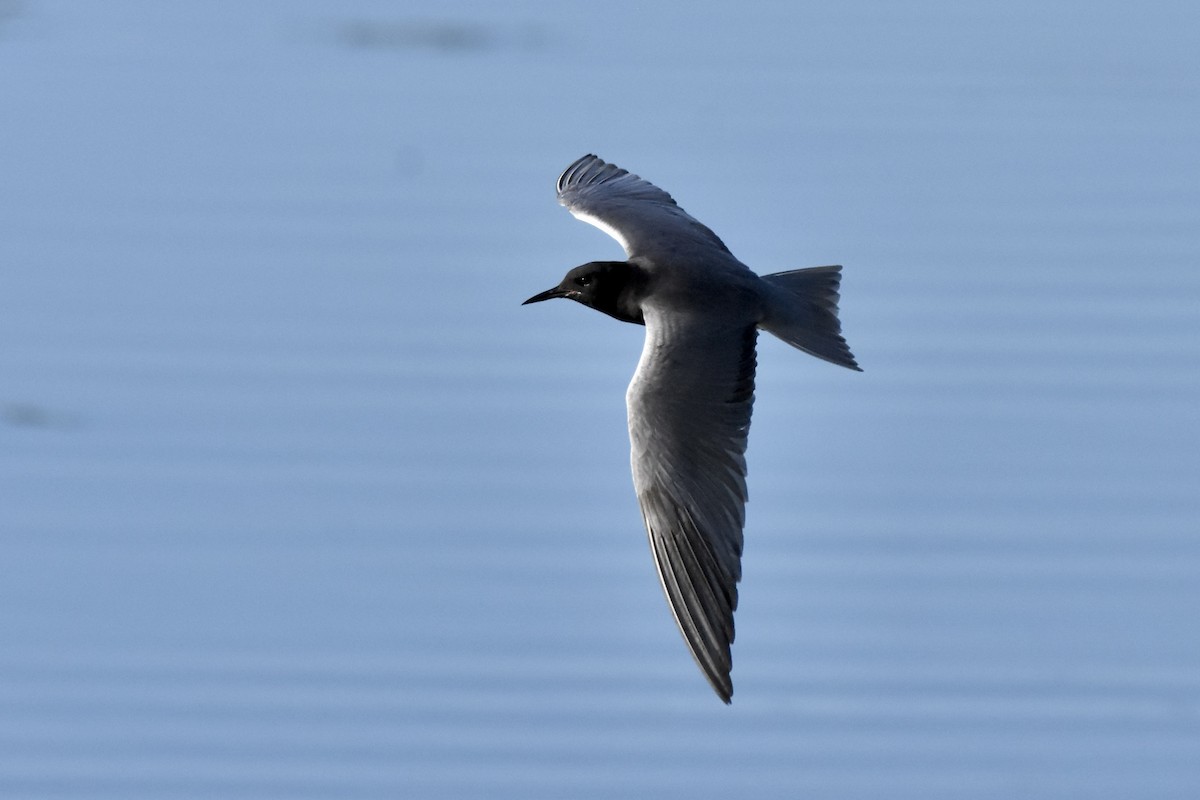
point(579, 164)
point(847, 359)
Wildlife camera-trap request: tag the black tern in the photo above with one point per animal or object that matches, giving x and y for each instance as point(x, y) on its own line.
point(690, 399)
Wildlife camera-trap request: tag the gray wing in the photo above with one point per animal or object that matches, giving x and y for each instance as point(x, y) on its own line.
point(635, 212)
point(689, 416)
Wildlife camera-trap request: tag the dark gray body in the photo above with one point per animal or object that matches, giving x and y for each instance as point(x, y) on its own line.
point(692, 394)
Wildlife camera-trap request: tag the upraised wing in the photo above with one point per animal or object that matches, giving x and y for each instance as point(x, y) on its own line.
point(643, 218)
point(689, 416)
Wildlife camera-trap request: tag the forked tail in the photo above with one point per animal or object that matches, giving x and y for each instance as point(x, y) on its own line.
point(803, 311)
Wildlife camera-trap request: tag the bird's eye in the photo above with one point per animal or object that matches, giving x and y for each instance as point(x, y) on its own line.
point(584, 280)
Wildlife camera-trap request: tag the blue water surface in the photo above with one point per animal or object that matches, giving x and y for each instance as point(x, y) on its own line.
point(297, 501)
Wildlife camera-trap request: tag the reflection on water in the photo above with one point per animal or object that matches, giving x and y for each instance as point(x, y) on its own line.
point(449, 35)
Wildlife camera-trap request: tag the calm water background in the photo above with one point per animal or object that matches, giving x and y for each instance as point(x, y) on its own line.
point(296, 500)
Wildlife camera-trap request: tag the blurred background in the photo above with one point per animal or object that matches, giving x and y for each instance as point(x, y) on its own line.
point(297, 501)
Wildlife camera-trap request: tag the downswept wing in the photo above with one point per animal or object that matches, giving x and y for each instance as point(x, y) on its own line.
point(643, 218)
point(689, 416)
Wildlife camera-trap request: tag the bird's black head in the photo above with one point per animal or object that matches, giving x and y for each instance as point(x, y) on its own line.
point(614, 287)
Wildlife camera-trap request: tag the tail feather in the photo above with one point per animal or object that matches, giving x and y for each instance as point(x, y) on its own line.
point(804, 313)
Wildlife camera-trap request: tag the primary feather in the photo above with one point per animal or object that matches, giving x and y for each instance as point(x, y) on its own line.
point(689, 416)
point(642, 217)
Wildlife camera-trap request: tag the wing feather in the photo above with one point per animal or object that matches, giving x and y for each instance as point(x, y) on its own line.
point(689, 416)
point(642, 217)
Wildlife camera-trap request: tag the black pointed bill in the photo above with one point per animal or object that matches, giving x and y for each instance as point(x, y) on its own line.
point(549, 294)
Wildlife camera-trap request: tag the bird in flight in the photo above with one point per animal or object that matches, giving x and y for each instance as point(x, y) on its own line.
point(690, 399)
